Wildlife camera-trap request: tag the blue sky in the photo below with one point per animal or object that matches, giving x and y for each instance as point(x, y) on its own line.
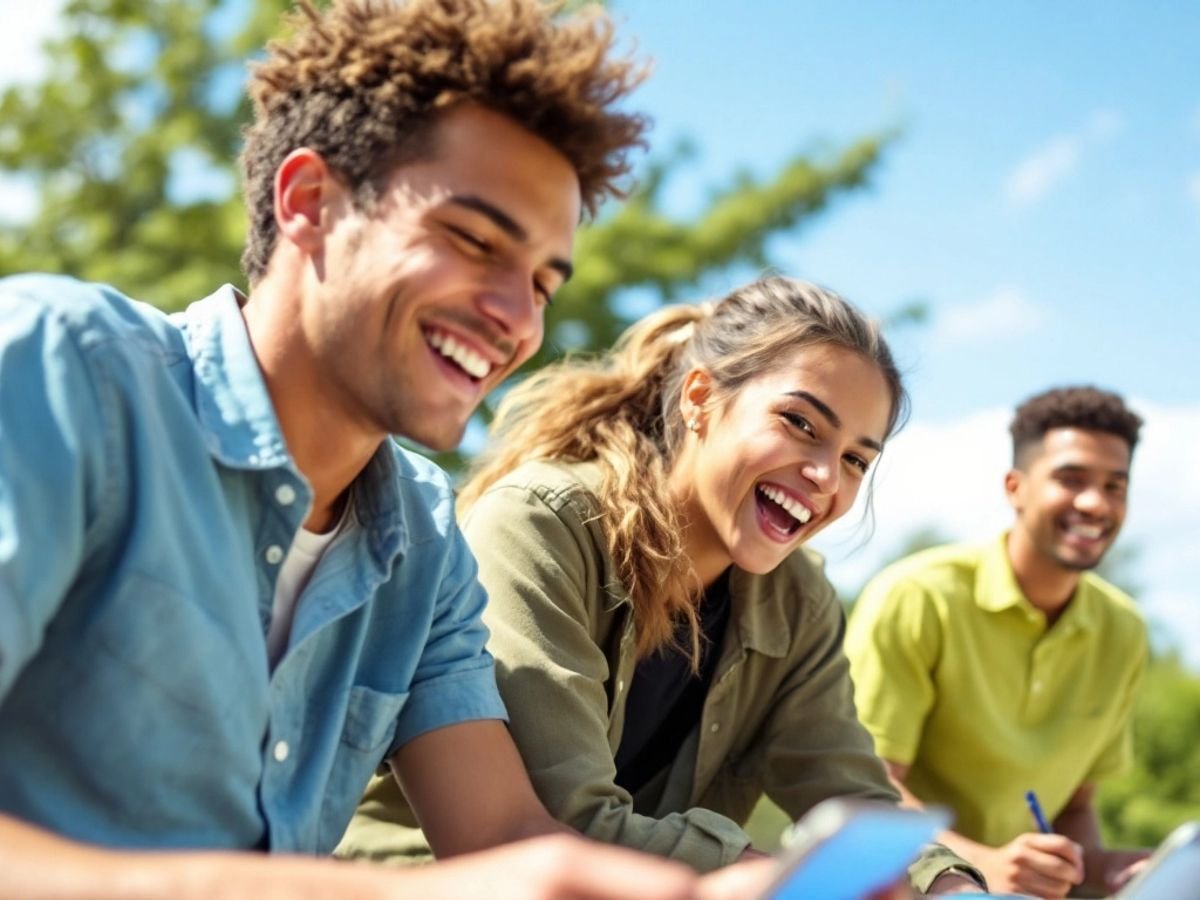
point(1043, 198)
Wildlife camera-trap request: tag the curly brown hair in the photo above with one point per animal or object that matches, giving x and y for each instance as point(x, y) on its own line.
point(1085, 407)
point(363, 82)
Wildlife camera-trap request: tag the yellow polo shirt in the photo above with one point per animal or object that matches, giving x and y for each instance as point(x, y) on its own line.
point(958, 676)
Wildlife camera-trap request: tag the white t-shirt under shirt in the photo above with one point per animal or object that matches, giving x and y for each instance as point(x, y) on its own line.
point(298, 566)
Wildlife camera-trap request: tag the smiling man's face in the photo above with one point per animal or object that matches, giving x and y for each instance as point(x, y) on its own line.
point(438, 293)
point(1070, 496)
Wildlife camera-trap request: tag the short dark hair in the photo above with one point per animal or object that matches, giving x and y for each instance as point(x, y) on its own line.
point(364, 82)
point(1085, 407)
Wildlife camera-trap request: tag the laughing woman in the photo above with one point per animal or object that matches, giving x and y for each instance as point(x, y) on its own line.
point(667, 650)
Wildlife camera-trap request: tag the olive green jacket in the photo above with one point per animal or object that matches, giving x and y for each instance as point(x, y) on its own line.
point(778, 719)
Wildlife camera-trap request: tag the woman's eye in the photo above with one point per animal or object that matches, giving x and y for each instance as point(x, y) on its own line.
point(798, 421)
point(546, 296)
point(859, 463)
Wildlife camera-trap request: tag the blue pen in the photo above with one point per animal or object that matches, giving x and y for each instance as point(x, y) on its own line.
point(1035, 807)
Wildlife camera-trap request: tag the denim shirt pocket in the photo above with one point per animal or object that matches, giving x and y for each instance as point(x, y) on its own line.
point(367, 734)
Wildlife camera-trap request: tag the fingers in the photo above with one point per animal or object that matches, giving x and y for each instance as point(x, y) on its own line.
point(1047, 865)
point(591, 871)
point(555, 868)
point(741, 880)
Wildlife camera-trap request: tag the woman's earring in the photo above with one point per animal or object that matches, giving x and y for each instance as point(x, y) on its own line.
point(694, 424)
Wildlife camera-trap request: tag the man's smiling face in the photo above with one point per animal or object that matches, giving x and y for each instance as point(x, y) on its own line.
point(434, 296)
point(1069, 495)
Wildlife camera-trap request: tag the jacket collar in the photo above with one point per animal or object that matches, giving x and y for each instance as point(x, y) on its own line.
point(758, 614)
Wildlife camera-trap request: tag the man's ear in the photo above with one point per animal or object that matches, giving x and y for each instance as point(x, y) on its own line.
point(1014, 480)
point(303, 188)
point(694, 396)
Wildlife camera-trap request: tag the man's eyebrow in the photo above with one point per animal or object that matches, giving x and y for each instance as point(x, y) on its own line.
point(832, 417)
point(1078, 469)
point(508, 225)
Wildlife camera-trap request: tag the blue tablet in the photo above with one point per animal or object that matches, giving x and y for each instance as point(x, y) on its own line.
point(1173, 872)
point(844, 849)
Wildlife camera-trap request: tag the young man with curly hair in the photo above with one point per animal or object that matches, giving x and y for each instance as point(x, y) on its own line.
point(226, 595)
point(984, 672)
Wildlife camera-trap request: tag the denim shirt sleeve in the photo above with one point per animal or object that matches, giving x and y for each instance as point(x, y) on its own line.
point(51, 465)
point(455, 680)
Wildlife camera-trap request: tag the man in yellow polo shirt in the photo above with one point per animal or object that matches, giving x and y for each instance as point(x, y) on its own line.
point(988, 671)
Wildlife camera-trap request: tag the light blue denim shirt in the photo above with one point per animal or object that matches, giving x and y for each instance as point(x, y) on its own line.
point(147, 500)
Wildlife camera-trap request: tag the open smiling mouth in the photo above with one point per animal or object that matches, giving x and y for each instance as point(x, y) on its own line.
point(1085, 532)
point(463, 357)
point(779, 511)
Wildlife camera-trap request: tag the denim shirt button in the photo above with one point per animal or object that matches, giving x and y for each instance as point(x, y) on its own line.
point(285, 495)
point(280, 751)
point(274, 555)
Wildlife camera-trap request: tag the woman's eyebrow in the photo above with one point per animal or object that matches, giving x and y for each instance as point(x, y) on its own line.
point(832, 417)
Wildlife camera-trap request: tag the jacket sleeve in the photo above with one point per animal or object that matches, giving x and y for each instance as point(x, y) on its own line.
point(816, 746)
point(542, 568)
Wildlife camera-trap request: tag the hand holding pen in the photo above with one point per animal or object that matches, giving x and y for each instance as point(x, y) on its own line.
point(1040, 863)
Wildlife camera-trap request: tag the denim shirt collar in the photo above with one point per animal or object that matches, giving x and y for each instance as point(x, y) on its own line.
point(232, 403)
point(241, 430)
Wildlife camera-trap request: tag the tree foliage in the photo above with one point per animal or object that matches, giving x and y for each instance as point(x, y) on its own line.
point(1142, 807)
point(140, 102)
point(132, 137)
point(131, 141)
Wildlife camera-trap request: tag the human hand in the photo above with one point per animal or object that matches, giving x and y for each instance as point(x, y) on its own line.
point(1045, 865)
point(1116, 867)
point(747, 878)
point(558, 867)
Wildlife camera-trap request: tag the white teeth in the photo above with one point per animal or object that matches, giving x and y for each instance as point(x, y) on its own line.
point(1091, 532)
point(798, 511)
point(470, 361)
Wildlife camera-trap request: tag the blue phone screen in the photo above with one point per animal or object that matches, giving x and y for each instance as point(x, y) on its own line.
point(868, 852)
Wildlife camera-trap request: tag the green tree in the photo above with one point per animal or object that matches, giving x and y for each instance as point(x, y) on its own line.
point(1142, 807)
point(132, 136)
point(140, 103)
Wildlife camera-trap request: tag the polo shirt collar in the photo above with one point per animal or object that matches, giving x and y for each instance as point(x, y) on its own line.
point(996, 589)
point(233, 407)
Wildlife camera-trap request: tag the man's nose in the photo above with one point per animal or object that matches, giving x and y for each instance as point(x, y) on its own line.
point(511, 302)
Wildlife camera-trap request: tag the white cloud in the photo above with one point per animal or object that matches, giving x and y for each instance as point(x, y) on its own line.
point(1193, 186)
point(18, 200)
point(1059, 158)
point(1040, 171)
point(949, 477)
point(1004, 313)
point(21, 57)
point(1104, 124)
